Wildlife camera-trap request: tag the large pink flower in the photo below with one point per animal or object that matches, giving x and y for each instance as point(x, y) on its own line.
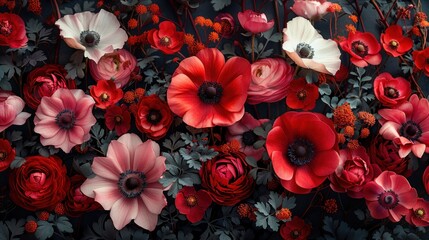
point(254, 22)
point(389, 195)
point(126, 182)
point(65, 119)
point(206, 91)
point(407, 126)
point(311, 9)
point(11, 113)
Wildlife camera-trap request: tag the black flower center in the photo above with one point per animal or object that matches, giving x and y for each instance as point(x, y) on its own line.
point(411, 130)
point(360, 48)
point(304, 50)
point(225, 26)
point(5, 28)
point(393, 44)
point(388, 199)
point(300, 152)
point(391, 92)
point(295, 234)
point(249, 138)
point(301, 95)
point(210, 92)
point(154, 116)
point(65, 119)
point(131, 183)
point(3, 156)
point(89, 38)
point(118, 119)
point(165, 41)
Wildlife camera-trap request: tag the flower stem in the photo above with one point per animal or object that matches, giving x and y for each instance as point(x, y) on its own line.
point(253, 48)
point(382, 17)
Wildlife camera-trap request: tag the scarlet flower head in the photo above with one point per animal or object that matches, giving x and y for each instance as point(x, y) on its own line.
point(227, 23)
point(118, 118)
point(254, 22)
point(302, 95)
point(391, 91)
point(418, 215)
point(167, 38)
point(7, 154)
point(105, 93)
point(192, 203)
point(363, 49)
point(421, 60)
point(296, 229)
point(12, 31)
point(394, 43)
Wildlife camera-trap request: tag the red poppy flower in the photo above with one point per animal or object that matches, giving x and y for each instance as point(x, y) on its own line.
point(296, 229)
point(206, 91)
point(363, 48)
point(105, 93)
point(167, 38)
point(301, 158)
point(394, 43)
point(7, 154)
point(418, 215)
point(302, 95)
point(153, 117)
point(421, 60)
point(391, 91)
point(118, 118)
point(192, 203)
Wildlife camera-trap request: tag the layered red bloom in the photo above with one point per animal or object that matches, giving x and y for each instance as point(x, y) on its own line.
point(391, 91)
point(167, 38)
point(118, 118)
point(40, 183)
point(7, 154)
point(153, 117)
point(389, 196)
point(254, 22)
point(105, 93)
point(302, 95)
point(206, 91)
point(425, 179)
point(44, 81)
point(296, 229)
point(77, 203)
point(12, 31)
point(227, 23)
point(418, 215)
point(363, 49)
point(421, 60)
point(192, 203)
point(301, 158)
point(394, 43)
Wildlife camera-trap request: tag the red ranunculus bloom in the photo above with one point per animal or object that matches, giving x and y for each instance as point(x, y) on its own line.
point(192, 203)
point(40, 183)
point(301, 158)
point(418, 215)
point(105, 93)
point(77, 203)
point(227, 22)
point(421, 60)
point(226, 178)
point(118, 118)
point(153, 117)
point(389, 195)
point(302, 95)
point(206, 91)
point(44, 81)
point(363, 49)
point(391, 91)
point(7, 154)
point(12, 31)
point(394, 43)
point(296, 229)
point(426, 179)
point(254, 22)
point(167, 38)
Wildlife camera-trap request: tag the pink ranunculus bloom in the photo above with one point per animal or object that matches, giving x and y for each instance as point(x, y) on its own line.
point(418, 215)
point(11, 113)
point(242, 131)
point(254, 22)
point(37, 180)
point(407, 125)
point(311, 9)
point(270, 80)
point(116, 66)
point(65, 119)
point(126, 182)
point(389, 196)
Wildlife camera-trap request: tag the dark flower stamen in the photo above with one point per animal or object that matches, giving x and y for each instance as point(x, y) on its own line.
point(210, 92)
point(411, 130)
point(249, 138)
point(89, 38)
point(388, 199)
point(65, 119)
point(391, 92)
point(304, 50)
point(360, 48)
point(131, 183)
point(300, 152)
point(154, 116)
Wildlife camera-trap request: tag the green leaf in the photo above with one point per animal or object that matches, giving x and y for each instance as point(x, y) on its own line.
point(44, 230)
point(17, 162)
point(324, 89)
point(220, 4)
point(64, 225)
point(251, 161)
point(275, 200)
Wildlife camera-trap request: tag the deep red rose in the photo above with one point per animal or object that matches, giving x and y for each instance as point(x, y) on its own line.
point(302, 95)
point(12, 31)
point(118, 118)
point(421, 60)
point(153, 117)
point(77, 203)
point(192, 203)
point(394, 43)
point(40, 183)
point(226, 178)
point(391, 91)
point(105, 93)
point(44, 81)
point(296, 229)
point(425, 179)
point(167, 38)
point(363, 48)
point(7, 154)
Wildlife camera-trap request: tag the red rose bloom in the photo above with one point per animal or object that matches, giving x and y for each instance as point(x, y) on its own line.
point(301, 158)
point(296, 229)
point(118, 118)
point(167, 38)
point(77, 203)
point(40, 183)
point(226, 178)
point(363, 48)
point(105, 93)
point(425, 179)
point(391, 91)
point(12, 31)
point(418, 215)
point(7, 154)
point(302, 95)
point(394, 43)
point(192, 203)
point(44, 81)
point(153, 117)
point(421, 60)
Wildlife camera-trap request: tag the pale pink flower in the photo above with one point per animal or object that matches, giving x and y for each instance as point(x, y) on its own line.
point(254, 22)
point(126, 182)
point(64, 119)
point(311, 9)
point(11, 113)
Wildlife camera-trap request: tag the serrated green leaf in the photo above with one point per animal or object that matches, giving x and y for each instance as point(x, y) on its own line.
point(44, 230)
point(63, 224)
point(220, 4)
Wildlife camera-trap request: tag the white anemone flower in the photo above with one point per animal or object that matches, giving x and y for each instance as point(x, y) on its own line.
point(307, 48)
point(94, 33)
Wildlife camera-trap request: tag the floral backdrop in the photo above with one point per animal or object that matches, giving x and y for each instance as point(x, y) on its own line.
point(214, 119)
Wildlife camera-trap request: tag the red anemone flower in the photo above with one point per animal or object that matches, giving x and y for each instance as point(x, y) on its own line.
point(105, 93)
point(296, 229)
point(418, 215)
point(421, 60)
point(118, 118)
point(167, 38)
point(302, 95)
point(363, 48)
point(394, 43)
point(192, 203)
point(7, 154)
point(206, 91)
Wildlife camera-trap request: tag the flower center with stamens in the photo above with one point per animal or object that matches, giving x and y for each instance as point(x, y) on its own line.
point(411, 130)
point(89, 38)
point(118, 119)
point(420, 213)
point(3, 156)
point(191, 200)
point(295, 234)
point(393, 44)
point(165, 41)
point(302, 94)
point(304, 50)
point(5, 28)
point(388, 199)
point(210, 92)
point(391, 92)
point(360, 48)
point(131, 183)
point(104, 97)
point(65, 119)
point(300, 152)
point(154, 116)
